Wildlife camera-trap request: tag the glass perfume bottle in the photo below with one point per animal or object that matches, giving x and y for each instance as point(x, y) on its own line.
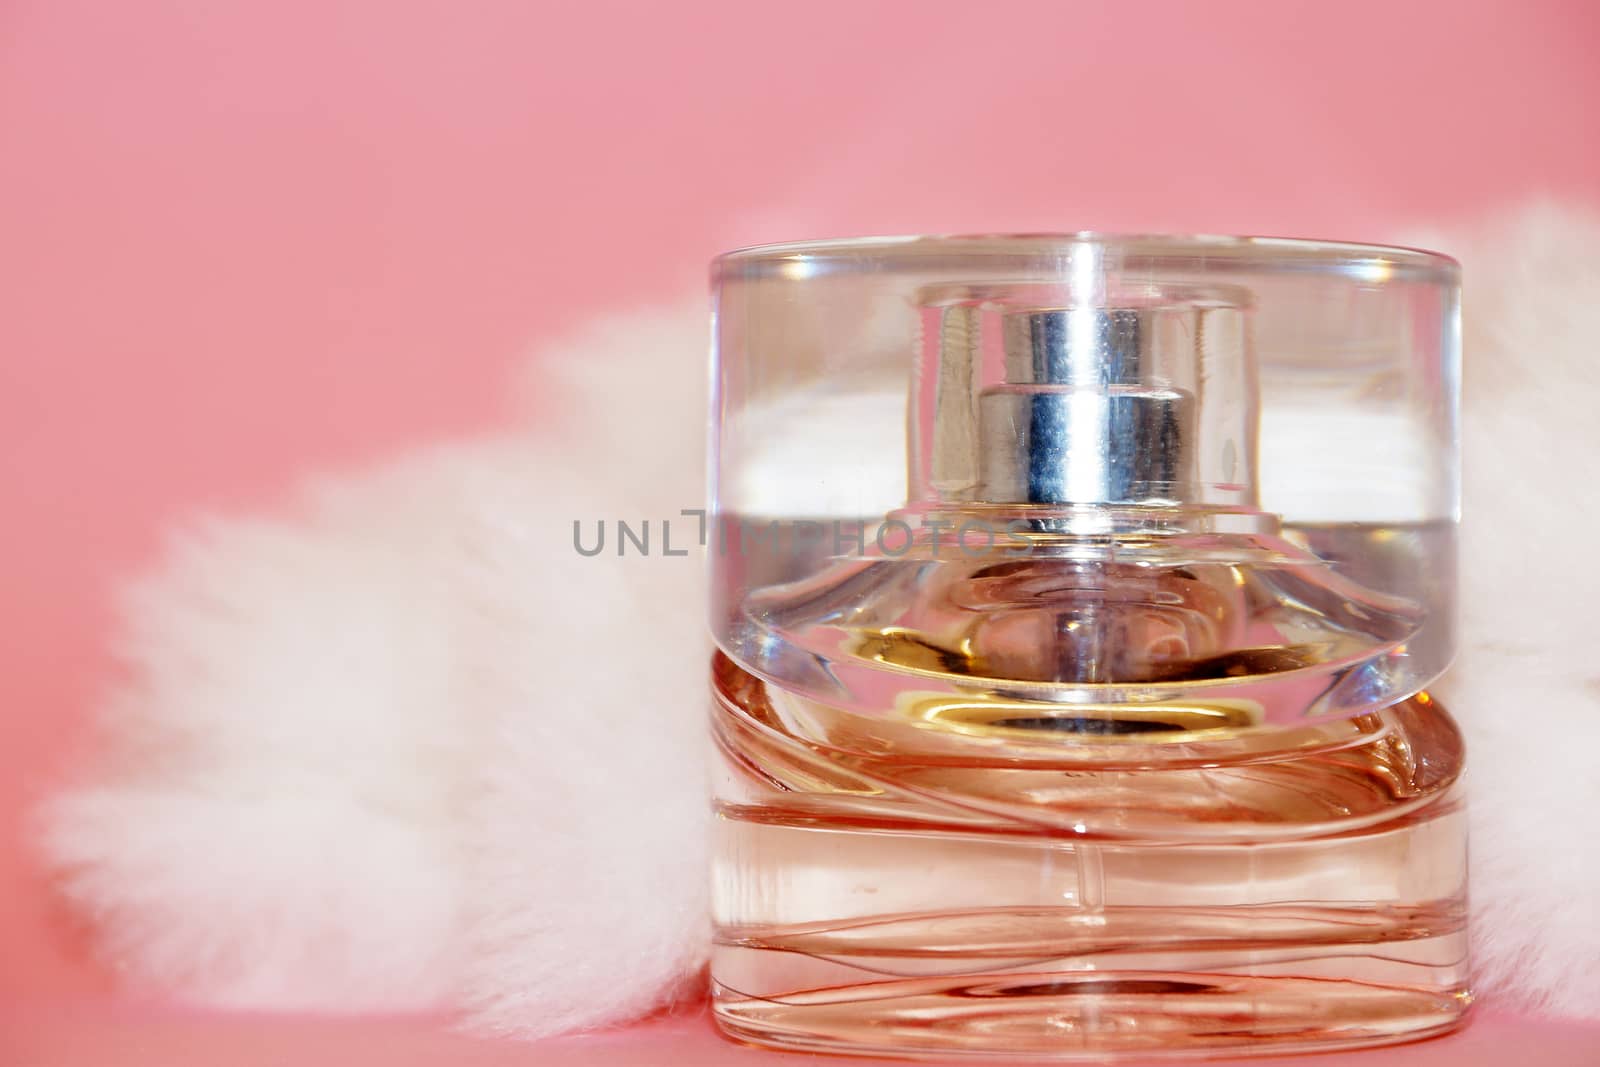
point(1076, 599)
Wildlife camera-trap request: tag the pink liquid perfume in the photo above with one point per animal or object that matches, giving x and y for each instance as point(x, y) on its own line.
point(1076, 600)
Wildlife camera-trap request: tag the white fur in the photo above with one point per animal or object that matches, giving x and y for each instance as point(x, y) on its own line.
point(588, 838)
point(1526, 685)
point(403, 747)
point(273, 824)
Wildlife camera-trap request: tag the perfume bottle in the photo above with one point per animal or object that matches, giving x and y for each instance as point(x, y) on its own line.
point(1076, 599)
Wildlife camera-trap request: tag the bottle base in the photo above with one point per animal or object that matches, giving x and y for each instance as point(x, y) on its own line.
point(914, 901)
point(1095, 1015)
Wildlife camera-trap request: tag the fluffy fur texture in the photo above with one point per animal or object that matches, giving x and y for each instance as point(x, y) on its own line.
point(1525, 686)
point(402, 747)
point(588, 823)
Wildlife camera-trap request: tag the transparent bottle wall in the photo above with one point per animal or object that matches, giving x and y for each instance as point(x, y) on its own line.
point(1157, 484)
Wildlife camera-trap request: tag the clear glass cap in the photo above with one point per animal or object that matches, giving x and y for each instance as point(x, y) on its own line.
point(904, 412)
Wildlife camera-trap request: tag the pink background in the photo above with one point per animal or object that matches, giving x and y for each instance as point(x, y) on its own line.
point(244, 241)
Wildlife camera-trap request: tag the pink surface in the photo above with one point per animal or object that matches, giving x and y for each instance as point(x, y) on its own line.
point(246, 241)
point(76, 1034)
